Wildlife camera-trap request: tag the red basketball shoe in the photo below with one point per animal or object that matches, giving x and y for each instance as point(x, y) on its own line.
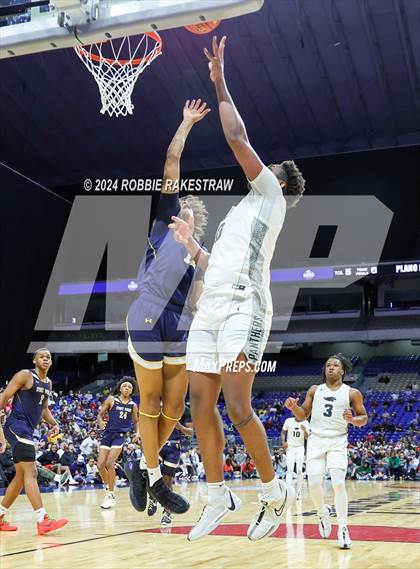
point(48, 524)
point(4, 526)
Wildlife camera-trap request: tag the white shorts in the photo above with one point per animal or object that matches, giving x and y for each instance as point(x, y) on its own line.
point(295, 454)
point(325, 453)
point(225, 326)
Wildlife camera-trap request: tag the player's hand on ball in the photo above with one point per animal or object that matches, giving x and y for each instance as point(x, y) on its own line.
point(348, 415)
point(216, 59)
point(195, 110)
point(291, 403)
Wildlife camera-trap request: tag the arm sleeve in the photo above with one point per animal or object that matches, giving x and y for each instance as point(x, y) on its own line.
point(167, 207)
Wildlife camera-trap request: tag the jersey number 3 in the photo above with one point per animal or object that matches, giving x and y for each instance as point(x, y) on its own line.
point(328, 410)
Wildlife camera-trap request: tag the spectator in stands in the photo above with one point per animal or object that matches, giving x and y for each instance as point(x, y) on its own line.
point(130, 452)
point(50, 459)
point(78, 470)
point(90, 445)
point(412, 466)
point(92, 472)
point(380, 471)
point(240, 456)
point(7, 467)
point(280, 463)
point(228, 469)
point(394, 464)
point(67, 459)
point(351, 468)
point(248, 469)
point(364, 472)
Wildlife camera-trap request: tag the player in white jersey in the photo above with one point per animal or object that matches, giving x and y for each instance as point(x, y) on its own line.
point(331, 406)
point(297, 432)
point(229, 332)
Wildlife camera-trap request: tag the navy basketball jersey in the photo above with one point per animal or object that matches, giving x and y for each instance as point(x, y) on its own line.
point(28, 404)
point(120, 416)
point(167, 271)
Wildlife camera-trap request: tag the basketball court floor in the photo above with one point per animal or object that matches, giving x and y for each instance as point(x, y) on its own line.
point(384, 527)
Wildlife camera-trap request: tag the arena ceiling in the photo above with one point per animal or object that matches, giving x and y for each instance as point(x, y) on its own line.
point(310, 77)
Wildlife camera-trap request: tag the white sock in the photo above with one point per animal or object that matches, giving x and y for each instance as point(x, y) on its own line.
point(111, 495)
point(216, 491)
point(143, 465)
point(154, 475)
point(273, 490)
point(57, 478)
point(40, 514)
point(107, 487)
point(3, 511)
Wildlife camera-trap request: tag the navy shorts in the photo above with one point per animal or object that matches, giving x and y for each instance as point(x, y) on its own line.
point(170, 455)
point(19, 435)
point(112, 440)
point(156, 334)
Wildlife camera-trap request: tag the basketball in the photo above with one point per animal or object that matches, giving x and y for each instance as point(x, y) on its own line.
point(203, 27)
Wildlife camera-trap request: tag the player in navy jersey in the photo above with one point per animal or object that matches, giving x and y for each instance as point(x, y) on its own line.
point(30, 390)
point(158, 321)
point(122, 420)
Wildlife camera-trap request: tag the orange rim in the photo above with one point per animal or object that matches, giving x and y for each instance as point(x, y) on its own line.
point(155, 52)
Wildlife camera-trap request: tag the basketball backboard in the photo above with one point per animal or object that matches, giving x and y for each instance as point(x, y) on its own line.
point(31, 26)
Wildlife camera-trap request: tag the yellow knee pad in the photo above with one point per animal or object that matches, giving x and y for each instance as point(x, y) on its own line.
point(150, 416)
point(171, 418)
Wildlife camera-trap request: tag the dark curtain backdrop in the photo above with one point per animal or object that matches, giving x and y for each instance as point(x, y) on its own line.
point(32, 222)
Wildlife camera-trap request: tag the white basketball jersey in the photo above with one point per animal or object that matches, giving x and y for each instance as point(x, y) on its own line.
point(245, 240)
point(327, 411)
point(295, 436)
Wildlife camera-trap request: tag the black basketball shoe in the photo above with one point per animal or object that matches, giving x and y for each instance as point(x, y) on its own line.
point(169, 500)
point(138, 484)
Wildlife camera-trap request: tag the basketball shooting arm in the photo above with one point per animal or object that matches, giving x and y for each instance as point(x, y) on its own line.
point(232, 123)
point(356, 402)
point(193, 112)
point(301, 413)
point(183, 230)
point(20, 380)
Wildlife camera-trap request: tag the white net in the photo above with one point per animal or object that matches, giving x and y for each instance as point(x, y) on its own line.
point(117, 72)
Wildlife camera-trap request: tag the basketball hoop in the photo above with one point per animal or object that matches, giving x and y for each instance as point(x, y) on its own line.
point(115, 76)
